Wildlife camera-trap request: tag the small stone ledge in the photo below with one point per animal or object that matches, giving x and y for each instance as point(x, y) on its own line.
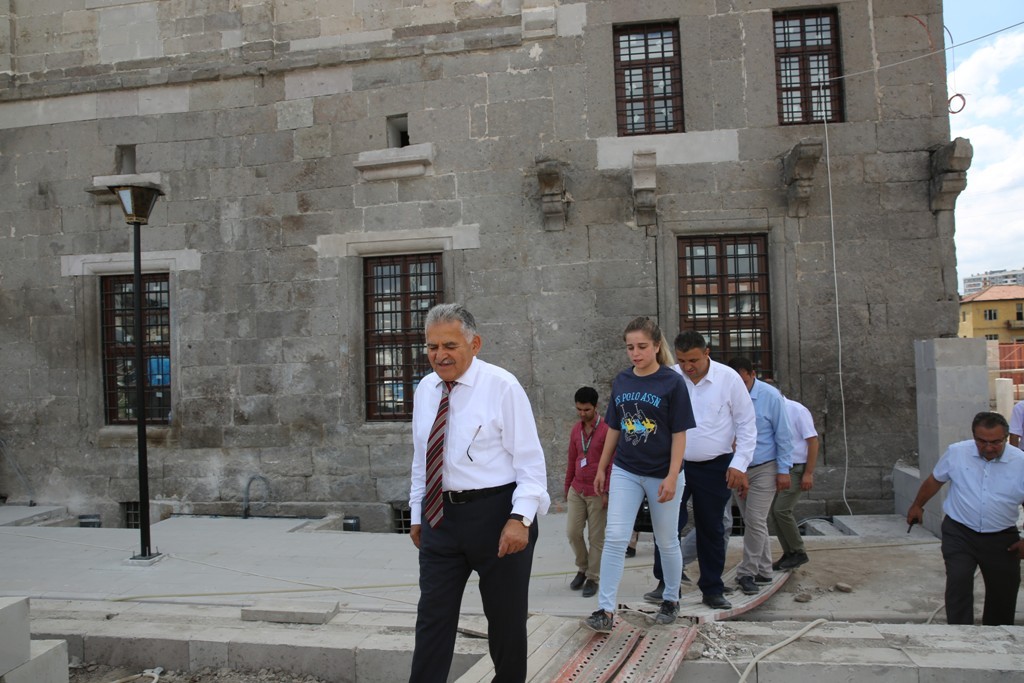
point(396, 162)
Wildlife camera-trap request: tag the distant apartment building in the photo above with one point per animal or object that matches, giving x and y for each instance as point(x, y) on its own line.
point(976, 283)
point(995, 313)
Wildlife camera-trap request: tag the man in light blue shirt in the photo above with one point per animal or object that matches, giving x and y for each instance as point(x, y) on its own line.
point(767, 473)
point(986, 478)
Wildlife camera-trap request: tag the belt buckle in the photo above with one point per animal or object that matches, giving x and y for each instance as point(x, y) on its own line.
point(450, 495)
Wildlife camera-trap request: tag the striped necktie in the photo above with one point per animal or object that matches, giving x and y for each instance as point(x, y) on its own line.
point(433, 505)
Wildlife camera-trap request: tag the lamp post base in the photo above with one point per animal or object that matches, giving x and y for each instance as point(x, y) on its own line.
point(144, 560)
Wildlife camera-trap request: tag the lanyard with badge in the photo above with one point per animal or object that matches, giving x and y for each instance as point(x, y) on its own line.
point(585, 443)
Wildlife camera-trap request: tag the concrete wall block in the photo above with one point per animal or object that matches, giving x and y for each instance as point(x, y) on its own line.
point(270, 148)
point(728, 87)
point(222, 95)
point(139, 651)
point(15, 648)
point(246, 121)
point(49, 664)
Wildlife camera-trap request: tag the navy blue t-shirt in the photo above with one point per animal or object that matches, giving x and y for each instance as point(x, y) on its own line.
point(647, 411)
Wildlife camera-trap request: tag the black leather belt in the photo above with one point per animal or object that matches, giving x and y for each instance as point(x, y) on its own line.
point(460, 497)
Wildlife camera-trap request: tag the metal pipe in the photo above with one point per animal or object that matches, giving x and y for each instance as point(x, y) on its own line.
point(245, 496)
point(140, 402)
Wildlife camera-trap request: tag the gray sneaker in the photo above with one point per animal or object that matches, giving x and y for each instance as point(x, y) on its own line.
point(654, 596)
point(599, 621)
point(668, 612)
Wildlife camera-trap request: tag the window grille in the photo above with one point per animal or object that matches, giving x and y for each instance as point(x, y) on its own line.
point(398, 291)
point(118, 331)
point(807, 65)
point(648, 79)
point(723, 294)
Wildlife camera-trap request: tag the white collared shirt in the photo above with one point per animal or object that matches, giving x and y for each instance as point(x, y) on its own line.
point(491, 439)
point(725, 416)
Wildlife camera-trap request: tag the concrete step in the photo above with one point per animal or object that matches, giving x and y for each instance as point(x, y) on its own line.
point(369, 647)
point(376, 647)
point(48, 663)
point(35, 515)
point(15, 648)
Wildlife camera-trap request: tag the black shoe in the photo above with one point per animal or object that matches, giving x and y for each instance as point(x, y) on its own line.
point(762, 580)
point(794, 561)
point(599, 621)
point(668, 612)
point(716, 602)
point(577, 581)
point(686, 579)
point(630, 551)
point(654, 596)
point(589, 589)
point(777, 564)
point(746, 584)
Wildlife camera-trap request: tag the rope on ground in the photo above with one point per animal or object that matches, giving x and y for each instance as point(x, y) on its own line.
point(153, 674)
point(778, 646)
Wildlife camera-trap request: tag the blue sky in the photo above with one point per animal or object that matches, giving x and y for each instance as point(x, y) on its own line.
point(989, 74)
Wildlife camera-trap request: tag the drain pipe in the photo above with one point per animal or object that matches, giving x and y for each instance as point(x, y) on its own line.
point(21, 475)
point(245, 497)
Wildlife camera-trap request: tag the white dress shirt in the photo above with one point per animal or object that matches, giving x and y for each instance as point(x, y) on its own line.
point(491, 439)
point(725, 416)
point(803, 428)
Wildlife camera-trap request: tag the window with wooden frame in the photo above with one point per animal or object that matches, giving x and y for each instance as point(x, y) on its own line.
point(397, 292)
point(118, 332)
point(723, 294)
point(807, 66)
point(648, 79)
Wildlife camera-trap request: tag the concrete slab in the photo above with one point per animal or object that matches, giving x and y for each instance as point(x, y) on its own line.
point(14, 633)
point(48, 663)
point(283, 612)
point(27, 515)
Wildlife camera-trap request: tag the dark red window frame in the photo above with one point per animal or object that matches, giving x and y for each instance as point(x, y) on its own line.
point(648, 79)
point(118, 334)
point(724, 295)
point(397, 293)
point(807, 66)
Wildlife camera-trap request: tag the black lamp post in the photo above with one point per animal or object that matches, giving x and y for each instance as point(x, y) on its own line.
point(137, 201)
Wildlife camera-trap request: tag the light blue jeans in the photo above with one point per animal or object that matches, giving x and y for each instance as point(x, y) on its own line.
point(626, 492)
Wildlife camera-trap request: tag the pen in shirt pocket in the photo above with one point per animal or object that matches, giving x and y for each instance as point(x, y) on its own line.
point(479, 427)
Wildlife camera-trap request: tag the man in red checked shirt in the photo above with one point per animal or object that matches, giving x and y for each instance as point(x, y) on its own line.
point(586, 507)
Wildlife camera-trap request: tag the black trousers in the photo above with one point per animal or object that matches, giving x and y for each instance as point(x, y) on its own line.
point(964, 550)
point(706, 484)
point(465, 541)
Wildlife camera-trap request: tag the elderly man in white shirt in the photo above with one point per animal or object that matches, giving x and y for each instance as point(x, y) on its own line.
point(479, 482)
point(712, 464)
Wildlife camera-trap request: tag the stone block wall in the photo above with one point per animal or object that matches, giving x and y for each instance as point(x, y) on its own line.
point(261, 117)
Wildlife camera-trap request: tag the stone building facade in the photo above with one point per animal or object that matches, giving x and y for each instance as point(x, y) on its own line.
point(559, 167)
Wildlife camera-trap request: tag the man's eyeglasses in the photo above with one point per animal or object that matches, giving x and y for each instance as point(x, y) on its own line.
point(986, 442)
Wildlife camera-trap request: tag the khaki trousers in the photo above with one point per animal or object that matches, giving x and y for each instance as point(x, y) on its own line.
point(589, 512)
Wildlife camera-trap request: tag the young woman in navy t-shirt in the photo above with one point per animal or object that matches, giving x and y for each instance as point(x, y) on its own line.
point(648, 415)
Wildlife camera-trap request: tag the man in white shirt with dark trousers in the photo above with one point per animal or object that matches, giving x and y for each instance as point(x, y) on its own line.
point(711, 462)
point(478, 484)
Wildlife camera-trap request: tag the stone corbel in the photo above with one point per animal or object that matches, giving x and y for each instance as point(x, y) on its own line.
point(645, 186)
point(949, 173)
point(798, 174)
point(554, 200)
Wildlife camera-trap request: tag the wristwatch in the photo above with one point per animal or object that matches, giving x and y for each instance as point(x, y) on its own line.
point(525, 521)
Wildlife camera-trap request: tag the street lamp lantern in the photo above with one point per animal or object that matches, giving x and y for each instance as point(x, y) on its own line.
point(137, 202)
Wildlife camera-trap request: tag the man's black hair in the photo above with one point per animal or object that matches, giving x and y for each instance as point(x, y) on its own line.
point(586, 395)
